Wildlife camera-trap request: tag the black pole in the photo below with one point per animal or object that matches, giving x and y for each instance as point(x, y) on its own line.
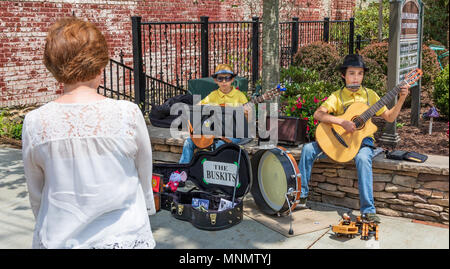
point(326, 29)
point(358, 43)
point(255, 50)
point(351, 36)
point(204, 46)
point(294, 41)
point(139, 77)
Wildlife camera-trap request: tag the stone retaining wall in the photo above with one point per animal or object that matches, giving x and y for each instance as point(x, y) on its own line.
point(411, 194)
point(401, 189)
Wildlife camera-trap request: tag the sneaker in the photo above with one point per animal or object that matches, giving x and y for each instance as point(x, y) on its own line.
point(372, 217)
point(302, 202)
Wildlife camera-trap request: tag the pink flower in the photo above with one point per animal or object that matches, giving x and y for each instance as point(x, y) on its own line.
point(293, 109)
point(324, 99)
point(303, 101)
point(315, 122)
point(299, 105)
point(307, 127)
point(316, 100)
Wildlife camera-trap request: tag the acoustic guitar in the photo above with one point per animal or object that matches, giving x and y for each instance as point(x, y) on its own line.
point(343, 146)
point(204, 141)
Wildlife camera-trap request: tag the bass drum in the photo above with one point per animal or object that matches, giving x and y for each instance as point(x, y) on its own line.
point(276, 189)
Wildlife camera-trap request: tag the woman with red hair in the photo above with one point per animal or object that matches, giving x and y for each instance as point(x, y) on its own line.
point(87, 158)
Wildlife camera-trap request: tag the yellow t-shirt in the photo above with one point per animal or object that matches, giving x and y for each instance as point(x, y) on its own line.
point(234, 98)
point(335, 105)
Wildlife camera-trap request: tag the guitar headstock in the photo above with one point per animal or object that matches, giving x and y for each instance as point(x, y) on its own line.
point(413, 76)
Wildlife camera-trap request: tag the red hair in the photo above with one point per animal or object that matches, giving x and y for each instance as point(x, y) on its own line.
point(75, 51)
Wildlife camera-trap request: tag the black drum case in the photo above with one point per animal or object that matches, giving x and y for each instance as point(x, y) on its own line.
point(213, 173)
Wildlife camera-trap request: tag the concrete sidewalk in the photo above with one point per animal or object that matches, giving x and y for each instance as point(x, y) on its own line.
point(17, 223)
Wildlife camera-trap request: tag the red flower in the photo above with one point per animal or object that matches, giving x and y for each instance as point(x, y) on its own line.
point(307, 127)
point(315, 122)
point(299, 105)
point(293, 108)
point(316, 100)
point(305, 118)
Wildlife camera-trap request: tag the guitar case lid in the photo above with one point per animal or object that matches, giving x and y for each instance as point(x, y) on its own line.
point(215, 171)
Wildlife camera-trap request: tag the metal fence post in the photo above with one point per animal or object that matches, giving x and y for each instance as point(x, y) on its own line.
point(358, 43)
point(351, 36)
point(139, 77)
point(255, 50)
point(204, 46)
point(326, 29)
point(294, 36)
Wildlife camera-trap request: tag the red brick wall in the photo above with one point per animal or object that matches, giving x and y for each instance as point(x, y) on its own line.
point(23, 26)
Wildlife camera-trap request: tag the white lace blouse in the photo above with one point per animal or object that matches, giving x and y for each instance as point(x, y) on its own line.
point(88, 169)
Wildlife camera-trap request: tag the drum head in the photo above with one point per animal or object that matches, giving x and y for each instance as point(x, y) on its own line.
point(272, 180)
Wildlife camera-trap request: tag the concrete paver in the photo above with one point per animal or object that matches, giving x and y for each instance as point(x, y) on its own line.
point(17, 223)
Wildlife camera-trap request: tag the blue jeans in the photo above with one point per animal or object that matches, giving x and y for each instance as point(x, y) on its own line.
point(363, 161)
point(189, 146)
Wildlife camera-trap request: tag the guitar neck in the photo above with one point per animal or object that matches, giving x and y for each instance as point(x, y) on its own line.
point(385, 100)
point(258, 99)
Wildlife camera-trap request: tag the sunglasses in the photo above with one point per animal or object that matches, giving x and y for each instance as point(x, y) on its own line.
point(227, 78)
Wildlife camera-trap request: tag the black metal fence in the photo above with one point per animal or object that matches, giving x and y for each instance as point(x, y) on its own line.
point(117, 81)
point(166, 55)
point(361, 43)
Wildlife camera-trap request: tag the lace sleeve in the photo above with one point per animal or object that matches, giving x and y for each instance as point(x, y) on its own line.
point(34, 174)
point(144, 160)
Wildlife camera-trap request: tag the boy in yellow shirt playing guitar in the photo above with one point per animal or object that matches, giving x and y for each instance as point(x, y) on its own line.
point(226, 94)
point(353, 70)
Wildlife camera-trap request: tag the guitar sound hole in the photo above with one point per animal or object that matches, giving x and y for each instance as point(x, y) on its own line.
point(358, 122)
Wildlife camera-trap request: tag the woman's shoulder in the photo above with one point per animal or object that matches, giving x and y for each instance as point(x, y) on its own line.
point(35, 113)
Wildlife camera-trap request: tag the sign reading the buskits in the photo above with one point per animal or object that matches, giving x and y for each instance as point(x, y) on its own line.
point(219, 173)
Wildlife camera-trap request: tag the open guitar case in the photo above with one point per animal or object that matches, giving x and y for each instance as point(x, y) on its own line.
point(212, 173)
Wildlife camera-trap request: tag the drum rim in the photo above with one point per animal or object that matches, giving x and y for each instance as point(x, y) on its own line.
point(269, 203)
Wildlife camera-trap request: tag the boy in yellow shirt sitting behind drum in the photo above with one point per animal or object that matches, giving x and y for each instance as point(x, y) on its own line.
point(225, 95)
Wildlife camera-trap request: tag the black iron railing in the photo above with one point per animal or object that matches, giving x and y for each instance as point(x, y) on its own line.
point(117, 81)
point(166, 55)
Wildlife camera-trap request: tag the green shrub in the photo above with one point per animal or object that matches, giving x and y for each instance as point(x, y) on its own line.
point(296, 74)
point(374, 79)
point(435, 24)
point(377, 52)
point(316, 56)
point(305, 92)
point(303, 105)
point(366, 21)
point(10, 128)
point(430, 67)
point(302, 79)
point(441, 93)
